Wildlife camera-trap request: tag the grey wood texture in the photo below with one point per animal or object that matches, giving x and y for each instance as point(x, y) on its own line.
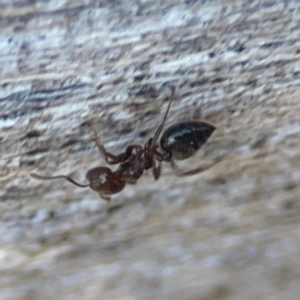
point(229, 233)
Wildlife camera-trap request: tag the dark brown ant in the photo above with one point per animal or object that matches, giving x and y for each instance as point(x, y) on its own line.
point(178, 142)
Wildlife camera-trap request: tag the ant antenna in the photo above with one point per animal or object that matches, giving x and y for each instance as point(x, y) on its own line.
point(68, 178)
point(161, 126)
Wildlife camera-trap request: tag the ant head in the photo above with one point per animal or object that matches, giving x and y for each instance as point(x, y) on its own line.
point(104, 181)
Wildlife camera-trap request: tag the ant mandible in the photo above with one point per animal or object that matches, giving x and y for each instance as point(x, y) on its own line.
point(178, 142)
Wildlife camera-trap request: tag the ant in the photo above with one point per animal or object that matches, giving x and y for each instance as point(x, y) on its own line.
point(178, 142)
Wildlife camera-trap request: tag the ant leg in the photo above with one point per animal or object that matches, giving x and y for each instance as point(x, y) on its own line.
point(115, 158)
point(161, 126)
point(105, 197)
point(197, 170)
point(156, 170)
point(162, 156)
point(68, 178)
point(105, 154)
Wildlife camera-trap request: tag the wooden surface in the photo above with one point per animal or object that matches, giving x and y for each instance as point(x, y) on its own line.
point(229, 233)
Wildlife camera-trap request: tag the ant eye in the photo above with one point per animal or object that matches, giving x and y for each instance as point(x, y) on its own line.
point(102, 177)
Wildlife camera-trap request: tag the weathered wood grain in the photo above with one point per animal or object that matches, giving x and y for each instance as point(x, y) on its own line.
point(229, 233)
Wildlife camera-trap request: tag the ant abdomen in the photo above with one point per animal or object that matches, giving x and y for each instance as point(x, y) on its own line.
point(105, 181)
point(184, 139)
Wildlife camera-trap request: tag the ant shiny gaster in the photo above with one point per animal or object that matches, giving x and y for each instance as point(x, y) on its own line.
point(178, 142)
